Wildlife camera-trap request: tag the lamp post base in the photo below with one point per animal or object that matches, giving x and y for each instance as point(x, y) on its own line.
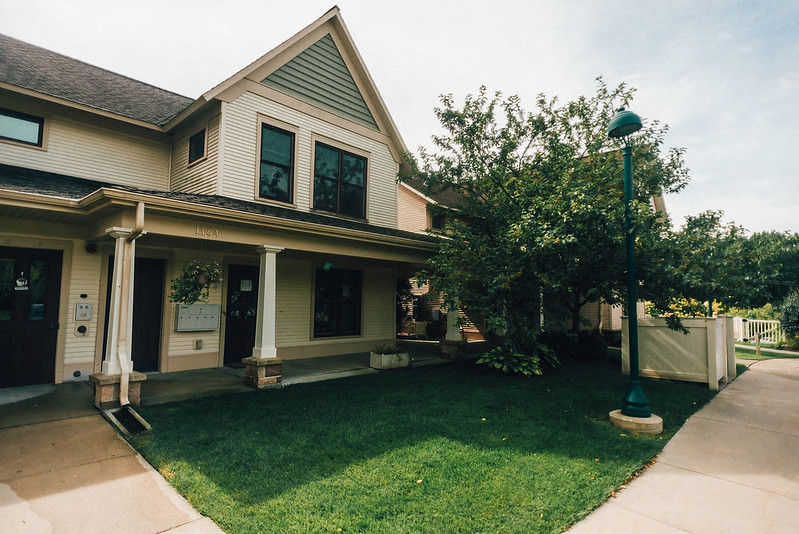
point(635, 403)
point(646, 425)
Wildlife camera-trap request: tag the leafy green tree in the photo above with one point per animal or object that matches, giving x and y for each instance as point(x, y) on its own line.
point(779, 262)
point(540, 206)
point(718, 262)
point(790, 319)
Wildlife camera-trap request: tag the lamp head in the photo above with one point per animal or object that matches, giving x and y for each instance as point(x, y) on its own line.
point(624, 123)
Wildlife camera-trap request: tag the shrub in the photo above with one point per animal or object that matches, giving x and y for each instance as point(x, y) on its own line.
point(527, 356)
point(584, 346)
point(790, 319)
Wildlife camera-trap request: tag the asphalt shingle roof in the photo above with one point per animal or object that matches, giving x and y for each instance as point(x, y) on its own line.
point(31, 181)
point(41, 70)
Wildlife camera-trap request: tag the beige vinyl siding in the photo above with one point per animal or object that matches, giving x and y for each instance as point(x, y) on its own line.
point(199, 178)
point(379, 303)
point(294, 294)
point(240, 156)
point(590, 311)
point(411, 211)
point(79, 350)
point(77, 149)
point(181, 352)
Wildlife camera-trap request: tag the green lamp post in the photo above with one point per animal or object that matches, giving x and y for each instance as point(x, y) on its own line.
point(622, 125)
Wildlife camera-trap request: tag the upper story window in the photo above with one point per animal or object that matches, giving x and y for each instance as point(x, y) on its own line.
point(197, 146)
point(339, 181)
point(437, 220)
point(276, 175)
point(21, 127)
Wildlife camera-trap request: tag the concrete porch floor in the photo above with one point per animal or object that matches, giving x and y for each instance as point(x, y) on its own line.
point(48, 402)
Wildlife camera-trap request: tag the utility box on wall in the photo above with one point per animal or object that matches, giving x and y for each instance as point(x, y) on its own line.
point(197, 317)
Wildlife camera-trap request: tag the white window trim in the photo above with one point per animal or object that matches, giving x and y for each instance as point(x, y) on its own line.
point(352, 150)
point(276, 123)
point(205, 147)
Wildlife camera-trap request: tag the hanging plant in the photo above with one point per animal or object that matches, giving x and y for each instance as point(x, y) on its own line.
point(193, 284)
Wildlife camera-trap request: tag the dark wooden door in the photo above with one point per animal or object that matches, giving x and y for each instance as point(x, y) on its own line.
point(148, 300)
point(241, 312)
point(30, 286)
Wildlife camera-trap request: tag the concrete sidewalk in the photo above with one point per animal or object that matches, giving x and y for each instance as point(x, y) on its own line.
point(733, 467)
point(78, 475)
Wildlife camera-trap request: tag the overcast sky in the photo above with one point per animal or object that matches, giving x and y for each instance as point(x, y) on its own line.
point(723, 74)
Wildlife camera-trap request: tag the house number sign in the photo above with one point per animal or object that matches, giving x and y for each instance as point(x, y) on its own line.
point(206, 232)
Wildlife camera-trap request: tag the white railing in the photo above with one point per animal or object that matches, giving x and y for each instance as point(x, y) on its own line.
point(750, 329)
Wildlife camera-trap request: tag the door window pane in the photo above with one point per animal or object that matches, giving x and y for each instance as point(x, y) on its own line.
point(7, 285)
point(37, 289)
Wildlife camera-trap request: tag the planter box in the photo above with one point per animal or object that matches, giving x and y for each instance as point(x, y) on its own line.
point(706, 354)
point(388, 361)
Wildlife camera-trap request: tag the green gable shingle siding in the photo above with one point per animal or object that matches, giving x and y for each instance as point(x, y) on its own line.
point(319, 76)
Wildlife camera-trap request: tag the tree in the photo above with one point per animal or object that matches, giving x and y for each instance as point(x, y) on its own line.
point(540, 205)
point(718, 262)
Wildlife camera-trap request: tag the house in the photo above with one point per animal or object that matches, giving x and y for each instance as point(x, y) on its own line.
point(284, 175)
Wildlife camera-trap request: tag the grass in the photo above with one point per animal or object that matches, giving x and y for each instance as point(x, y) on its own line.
point(449, 448)
point(765, 354)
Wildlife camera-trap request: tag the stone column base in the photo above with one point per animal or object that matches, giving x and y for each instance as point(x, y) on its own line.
point(106, 389)
point(262, 372)
point(646, 425)
point(452, 350)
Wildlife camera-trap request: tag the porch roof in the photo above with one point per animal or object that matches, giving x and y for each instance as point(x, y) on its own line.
point(72, 189)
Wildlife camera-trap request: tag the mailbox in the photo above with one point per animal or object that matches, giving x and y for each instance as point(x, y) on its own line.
point(197, 317)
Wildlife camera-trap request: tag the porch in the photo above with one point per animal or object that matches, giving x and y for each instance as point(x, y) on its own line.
point(51, 402)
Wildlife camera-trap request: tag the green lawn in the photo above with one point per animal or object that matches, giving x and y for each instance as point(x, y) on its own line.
point(449, 448)
point(765, 354)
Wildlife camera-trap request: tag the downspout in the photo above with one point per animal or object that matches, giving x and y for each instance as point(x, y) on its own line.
point(122, 345)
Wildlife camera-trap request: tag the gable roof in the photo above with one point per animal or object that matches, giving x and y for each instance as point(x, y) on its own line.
point(446, 197)
point(330, 23)
point(319, 75)
point(42, 71)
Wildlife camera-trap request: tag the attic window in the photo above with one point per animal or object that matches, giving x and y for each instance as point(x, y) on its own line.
point(20, 127)
point(197, 146)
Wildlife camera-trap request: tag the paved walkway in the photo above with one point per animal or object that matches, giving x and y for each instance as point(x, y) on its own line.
point(64, 469)
point(733, 467)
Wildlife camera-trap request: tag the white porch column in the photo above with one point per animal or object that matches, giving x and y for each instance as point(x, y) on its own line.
point(265, 326)
point(111, 362)
point(453, 329)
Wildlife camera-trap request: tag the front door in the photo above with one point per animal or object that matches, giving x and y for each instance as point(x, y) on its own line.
point(241, 312)
point(148, 298)
point(30, 286)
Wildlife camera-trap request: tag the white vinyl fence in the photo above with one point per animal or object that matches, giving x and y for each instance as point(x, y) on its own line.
point(748, 329)
point(706, 354)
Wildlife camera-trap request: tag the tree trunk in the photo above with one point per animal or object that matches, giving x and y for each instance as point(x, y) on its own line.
point(576, 314)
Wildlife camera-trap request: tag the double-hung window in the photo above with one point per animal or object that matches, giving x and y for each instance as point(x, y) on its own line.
point(21, 127)
point(337, 306)
point(339, 181)
point(197, 146)
point(276, 174)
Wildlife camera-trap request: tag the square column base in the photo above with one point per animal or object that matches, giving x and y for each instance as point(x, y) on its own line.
point(106, 389)
point(452, 350)
point(262, 372)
